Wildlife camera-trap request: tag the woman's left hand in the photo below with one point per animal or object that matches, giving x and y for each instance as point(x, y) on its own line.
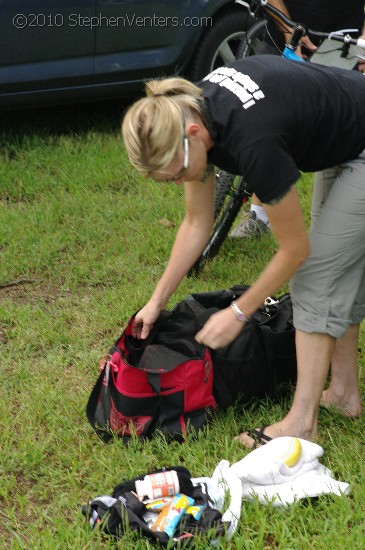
point(220, 329)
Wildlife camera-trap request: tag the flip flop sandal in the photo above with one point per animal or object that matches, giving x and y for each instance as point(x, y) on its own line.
point(259, 437)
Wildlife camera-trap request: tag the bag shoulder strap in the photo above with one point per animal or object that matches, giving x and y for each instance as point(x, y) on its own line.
point(197, 308)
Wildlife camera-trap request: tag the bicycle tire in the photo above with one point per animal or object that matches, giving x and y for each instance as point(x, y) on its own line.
point(223, 224)
point(249, 43)
point(223, 184)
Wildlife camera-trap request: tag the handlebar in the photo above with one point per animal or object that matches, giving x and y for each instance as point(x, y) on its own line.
point(346, 39)
point(256, 7)
point(259, 7)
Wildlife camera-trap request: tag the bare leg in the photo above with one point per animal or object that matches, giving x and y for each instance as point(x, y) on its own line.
point(314, 352)
point(256, 201)
point(343, 392)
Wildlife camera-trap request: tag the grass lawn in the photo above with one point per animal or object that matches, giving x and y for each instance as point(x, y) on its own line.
point(82, 242)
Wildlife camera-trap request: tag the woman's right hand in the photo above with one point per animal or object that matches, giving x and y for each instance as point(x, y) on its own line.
point(144, 320)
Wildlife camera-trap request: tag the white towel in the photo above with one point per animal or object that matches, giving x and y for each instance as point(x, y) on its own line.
point(311, 484)
point(266, 465)
point(265, 475)
point(221, 483)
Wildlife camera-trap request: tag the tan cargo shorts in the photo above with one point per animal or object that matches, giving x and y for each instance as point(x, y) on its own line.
point(328, 291)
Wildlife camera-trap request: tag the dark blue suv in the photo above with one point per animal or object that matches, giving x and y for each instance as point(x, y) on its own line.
point(71, 50)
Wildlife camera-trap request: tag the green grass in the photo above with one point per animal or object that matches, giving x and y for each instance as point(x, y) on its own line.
point(85, 233)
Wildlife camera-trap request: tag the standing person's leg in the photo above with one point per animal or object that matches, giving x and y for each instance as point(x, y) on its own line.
point(314, 353)
point(343, 392)
point(326, 293)
point(253, 224)
point(258, 208)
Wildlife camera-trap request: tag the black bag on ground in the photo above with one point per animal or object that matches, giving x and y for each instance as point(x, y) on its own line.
point(261, 361)
point(122, 511)
point(172, 384)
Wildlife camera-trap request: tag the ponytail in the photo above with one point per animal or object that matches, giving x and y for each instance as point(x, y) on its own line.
point(153, 128)
point(171, 87)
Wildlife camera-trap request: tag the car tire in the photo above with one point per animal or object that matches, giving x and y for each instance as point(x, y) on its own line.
point(219, 44)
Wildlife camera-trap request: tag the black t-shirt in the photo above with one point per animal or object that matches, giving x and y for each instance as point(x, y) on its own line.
point(322, 15)
point(271, 118)
point(328, 15)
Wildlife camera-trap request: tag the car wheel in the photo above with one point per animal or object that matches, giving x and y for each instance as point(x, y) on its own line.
point(219, 44)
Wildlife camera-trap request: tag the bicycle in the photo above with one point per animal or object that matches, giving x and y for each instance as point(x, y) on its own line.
point(344, 56)
point(231, 190)
point(230, 193)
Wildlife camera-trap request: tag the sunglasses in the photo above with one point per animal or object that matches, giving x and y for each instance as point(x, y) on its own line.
point(186, 154)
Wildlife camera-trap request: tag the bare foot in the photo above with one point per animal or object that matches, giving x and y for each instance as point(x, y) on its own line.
point(348, 407)
point(259, 436)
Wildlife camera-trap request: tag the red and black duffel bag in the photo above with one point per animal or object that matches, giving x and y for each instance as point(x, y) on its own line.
point(167, 383)
point(162, 383)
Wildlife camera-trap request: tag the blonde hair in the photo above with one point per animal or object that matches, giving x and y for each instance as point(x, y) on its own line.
point(153, 127)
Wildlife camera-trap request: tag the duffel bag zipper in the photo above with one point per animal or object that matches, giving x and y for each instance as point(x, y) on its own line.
point(108, 364)
point(208, 368)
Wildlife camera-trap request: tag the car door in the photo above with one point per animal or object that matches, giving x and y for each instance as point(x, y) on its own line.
point(45, 44)
point(137, 39)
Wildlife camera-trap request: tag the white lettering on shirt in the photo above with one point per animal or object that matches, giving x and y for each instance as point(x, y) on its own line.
point(241, 85)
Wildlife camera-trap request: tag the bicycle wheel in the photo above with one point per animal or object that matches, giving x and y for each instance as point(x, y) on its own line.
point(233, 201)
point(223, 183)
point(252, 40)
